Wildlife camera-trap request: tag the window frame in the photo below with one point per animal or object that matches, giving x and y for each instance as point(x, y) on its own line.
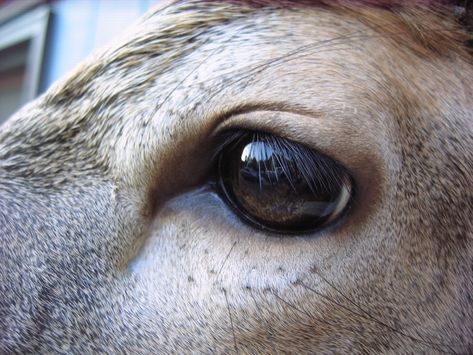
point(32, 26)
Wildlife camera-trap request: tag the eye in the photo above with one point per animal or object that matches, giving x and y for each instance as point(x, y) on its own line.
point(275, 184)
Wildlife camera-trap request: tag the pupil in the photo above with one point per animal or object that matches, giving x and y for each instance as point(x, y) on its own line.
point(283, 187)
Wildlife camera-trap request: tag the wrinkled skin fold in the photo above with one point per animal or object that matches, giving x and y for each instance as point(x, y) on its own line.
point(112, 239)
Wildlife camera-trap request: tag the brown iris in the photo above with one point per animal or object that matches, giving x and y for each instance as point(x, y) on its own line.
point(279, 185)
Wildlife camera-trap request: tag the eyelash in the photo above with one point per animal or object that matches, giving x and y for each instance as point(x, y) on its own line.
point(324, 169)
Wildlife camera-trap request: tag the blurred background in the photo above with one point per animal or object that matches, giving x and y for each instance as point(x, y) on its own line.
point(41, 40)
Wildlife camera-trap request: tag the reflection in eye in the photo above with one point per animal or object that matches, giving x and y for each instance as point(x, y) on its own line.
point(275, 184)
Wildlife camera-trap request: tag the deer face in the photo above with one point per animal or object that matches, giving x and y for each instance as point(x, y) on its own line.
point(232, 177)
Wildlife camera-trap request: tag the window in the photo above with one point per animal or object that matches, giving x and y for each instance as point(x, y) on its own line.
point(22, 40)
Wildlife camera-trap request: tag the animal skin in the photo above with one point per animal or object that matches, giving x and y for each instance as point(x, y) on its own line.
point(114, 240)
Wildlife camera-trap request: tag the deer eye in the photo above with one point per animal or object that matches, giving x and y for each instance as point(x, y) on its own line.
point(278, 185)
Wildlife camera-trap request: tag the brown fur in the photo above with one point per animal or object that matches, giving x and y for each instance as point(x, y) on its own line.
point(112, 241)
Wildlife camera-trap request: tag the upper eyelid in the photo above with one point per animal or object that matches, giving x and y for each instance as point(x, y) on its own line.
point(283, 123)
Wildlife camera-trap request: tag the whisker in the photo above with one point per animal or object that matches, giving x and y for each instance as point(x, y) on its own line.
point(226, 258)
point(300, 310)
point(298, 53)
point(270, 329)
point(179, 84)
point(231, 320)
point(367, 315)
point(319, 320)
